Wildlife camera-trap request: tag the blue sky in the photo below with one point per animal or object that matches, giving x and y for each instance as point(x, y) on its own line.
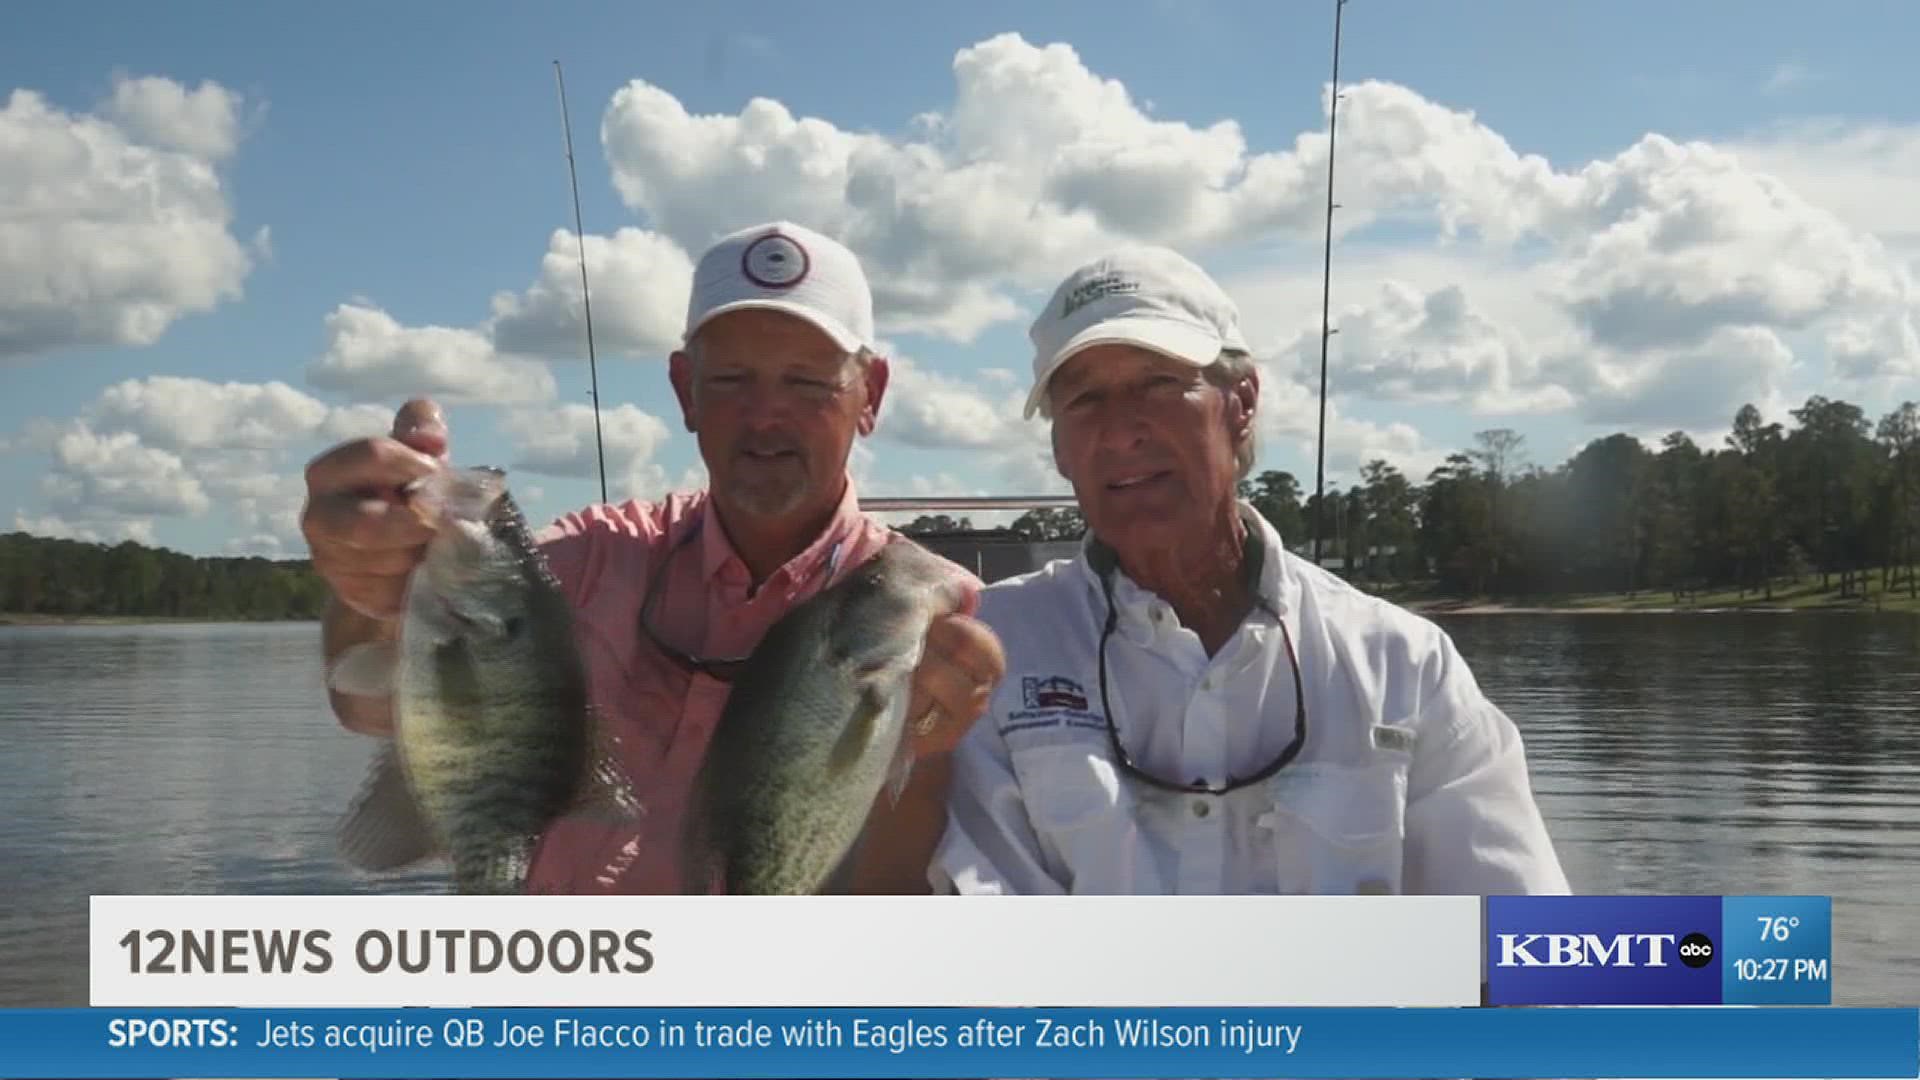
point(408, 159)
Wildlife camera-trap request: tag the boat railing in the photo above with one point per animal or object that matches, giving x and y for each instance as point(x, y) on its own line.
point(925, 503)
point(993, 553)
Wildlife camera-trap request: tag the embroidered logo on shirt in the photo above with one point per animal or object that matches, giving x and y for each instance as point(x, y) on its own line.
point(1052, 692)
point(1050, 701)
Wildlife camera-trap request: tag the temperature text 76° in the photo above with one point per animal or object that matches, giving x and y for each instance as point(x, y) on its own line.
point(1777, 927)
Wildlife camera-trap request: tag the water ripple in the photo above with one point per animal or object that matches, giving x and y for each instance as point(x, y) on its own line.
point(1723, 754)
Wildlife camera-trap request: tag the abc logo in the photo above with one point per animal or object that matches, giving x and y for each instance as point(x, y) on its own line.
point(1696, 950)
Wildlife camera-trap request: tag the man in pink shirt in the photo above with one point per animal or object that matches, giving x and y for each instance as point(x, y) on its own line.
point(776, 378)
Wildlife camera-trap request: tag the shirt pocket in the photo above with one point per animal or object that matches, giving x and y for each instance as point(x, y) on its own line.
point(1083, 813)
point(1337, 829)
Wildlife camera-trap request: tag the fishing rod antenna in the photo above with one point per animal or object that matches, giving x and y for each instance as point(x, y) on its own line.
point(1326, 294)
point(586, 298)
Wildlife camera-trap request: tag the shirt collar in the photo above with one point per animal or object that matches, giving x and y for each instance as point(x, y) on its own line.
point(1137, 607)
point(720, 561)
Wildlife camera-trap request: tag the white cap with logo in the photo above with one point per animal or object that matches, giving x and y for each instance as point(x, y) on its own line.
point(781, 266)
point(1148, 296)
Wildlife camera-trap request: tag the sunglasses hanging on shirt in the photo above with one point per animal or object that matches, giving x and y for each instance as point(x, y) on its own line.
point(1105, 563)
point(721, 668)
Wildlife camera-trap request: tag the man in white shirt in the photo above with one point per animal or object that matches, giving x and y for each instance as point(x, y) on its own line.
point(1188, 707)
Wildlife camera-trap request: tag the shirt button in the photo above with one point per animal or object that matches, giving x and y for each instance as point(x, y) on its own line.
point(1201, 808)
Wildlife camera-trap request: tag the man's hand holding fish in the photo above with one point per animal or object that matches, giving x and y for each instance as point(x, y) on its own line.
point(750, 687)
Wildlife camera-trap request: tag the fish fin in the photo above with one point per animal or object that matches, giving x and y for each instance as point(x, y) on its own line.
point(901, 770)
point(606, 790)
point(856, 739)
point(369, 669)
point(506, 871)
point(384, 829)
point(606, 794)
point(513, 869)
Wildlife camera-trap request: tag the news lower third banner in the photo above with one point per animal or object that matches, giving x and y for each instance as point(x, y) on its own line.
point(972, 952)
point(1570, 1043)
point(746, 951)
point(1059, 987)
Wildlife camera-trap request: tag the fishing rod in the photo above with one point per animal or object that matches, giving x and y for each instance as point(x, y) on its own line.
point(580, 236)
point(1326, 293)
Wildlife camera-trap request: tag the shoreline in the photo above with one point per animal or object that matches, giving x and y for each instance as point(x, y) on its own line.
point(1426, 604)
point(1494, 607)
point(15, 618)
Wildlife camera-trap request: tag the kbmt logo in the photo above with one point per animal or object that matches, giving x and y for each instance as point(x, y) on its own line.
point(1594, 951)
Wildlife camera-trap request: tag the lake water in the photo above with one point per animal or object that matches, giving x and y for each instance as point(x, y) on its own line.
point(1702, 754)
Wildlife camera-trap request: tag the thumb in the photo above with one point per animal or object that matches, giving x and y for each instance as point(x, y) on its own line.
point(421, 425)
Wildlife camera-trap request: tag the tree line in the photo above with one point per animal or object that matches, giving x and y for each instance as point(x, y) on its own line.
point(1830, 494)
point(56, 577)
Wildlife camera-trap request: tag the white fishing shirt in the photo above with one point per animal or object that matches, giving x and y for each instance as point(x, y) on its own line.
point(1410, 780)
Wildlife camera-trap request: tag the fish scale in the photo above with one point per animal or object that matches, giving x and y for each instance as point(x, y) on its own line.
point(494, 735)
point(813, 729)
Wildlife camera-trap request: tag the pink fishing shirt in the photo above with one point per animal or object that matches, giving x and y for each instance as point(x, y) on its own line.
point(660, 715)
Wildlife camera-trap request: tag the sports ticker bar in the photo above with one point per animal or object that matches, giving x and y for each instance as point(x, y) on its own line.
point(1381, 1043)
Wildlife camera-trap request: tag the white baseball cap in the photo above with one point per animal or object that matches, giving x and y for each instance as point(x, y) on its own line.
point(781, 266)
point(1141, 295)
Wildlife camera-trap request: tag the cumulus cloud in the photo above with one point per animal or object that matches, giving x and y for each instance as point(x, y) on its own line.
point(272, 509)
point(1660, 285)
point(639, 282)
point(1868, 350)
point(1632, 259)
point(1660, 246)
point(117, 473)
point(93, 529)
point(117, 222)
point(560, 442)
point(371, 357)
point(1687, 241)
point(640, 279)
point(930, 410)
point(949, 220)
point(1288, 420)
point(167, 447)
point(263, 545)
point(1690, 388)
point(1857, 169)
point(1416, 346)
point(203, 121)
point(356, 422)
point(194, 414)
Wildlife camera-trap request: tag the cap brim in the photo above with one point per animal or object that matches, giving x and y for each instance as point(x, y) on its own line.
point(841, 336)
point(1176, 340)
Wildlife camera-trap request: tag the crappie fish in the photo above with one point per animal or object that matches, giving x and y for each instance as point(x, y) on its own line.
point(815, 727)
point(493, 735)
